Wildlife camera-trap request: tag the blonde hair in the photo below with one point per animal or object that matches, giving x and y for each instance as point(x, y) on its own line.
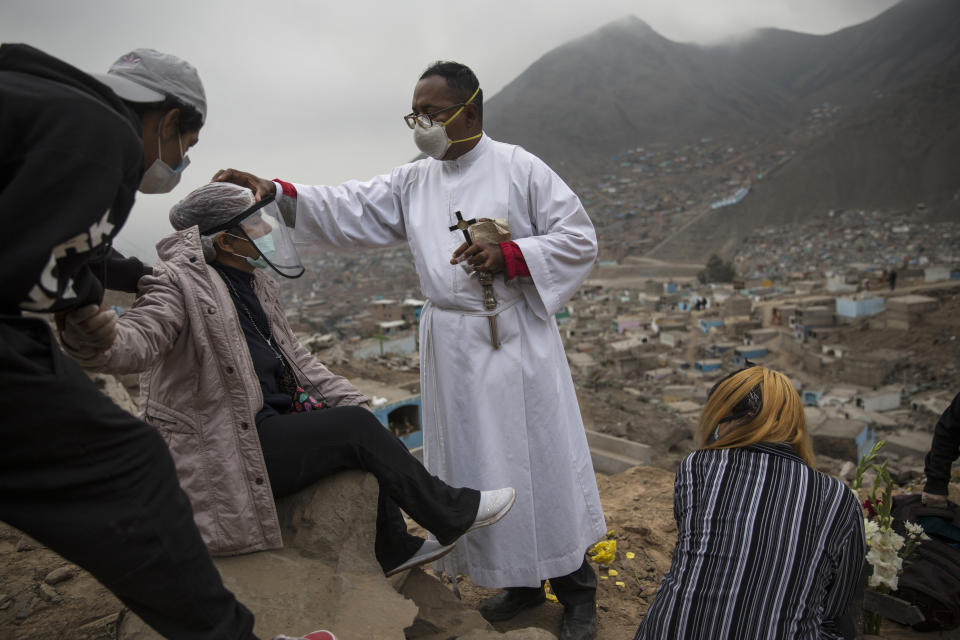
point(778, 418)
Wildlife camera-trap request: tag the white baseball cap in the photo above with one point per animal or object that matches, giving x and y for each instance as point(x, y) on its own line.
point(148, 75)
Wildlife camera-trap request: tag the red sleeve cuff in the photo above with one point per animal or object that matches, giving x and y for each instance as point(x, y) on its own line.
point(288, 189)
point(515, 263)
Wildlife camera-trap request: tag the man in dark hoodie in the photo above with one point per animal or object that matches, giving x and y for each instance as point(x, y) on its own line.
point(943, 451)
point(76, 472)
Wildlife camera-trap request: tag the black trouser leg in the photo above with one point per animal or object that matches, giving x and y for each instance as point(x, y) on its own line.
point(98, 486)
point(574, 588)
point(577, 587)
point(302, 448)
point(393, 543)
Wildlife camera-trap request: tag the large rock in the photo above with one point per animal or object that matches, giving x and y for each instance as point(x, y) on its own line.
point(442, 615)
point(326, 577)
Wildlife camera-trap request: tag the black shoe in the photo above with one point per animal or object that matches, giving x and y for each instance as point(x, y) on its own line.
point(509, 602)
point(579, 622)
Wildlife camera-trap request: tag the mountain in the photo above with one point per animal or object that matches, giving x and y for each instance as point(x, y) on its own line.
point(890, 85)
point(625, 85)
point(896, 152)
point(622, 86)
point(851, 65)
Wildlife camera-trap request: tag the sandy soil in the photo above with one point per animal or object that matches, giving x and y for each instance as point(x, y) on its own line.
point(638, 505)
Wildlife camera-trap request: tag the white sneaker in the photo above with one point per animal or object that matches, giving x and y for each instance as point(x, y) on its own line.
point(429, 551)
point(314, 635)
point(493, 506)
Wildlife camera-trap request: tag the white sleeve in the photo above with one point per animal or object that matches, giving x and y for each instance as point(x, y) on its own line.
point(351, 215)
point(563, 249)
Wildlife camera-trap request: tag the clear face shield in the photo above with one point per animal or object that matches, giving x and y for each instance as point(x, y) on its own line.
point(264, 227)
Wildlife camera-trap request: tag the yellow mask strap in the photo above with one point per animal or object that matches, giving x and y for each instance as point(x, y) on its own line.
point(457, 112)
point(466, 139)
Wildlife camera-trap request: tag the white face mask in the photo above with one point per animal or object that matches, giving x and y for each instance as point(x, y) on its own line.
point(159, 177)
point(433, 140)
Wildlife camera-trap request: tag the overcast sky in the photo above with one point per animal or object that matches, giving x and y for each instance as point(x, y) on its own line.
point(314, 91)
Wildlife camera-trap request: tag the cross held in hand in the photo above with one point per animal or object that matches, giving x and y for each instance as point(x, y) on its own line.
point(464, 226)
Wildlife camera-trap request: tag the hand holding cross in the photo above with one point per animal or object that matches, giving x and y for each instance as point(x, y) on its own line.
point(483, 257)
point(478, 253)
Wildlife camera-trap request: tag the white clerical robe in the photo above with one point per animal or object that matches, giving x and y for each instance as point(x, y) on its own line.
point(491, 418)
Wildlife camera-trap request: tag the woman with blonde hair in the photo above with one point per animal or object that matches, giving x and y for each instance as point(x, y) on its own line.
point(767, 546)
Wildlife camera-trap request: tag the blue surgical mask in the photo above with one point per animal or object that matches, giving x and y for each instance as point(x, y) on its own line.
point(265, 246)
point(159, 176)
point(263, 226)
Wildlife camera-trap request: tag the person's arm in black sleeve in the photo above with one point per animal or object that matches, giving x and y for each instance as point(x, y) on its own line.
point(69, 171)
point(118, 273)
point(943, 450)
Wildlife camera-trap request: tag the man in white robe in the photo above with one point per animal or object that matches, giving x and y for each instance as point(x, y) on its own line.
point(491, 416)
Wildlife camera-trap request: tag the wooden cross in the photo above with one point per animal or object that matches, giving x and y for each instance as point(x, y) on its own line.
point(485, 278)
point(464, 226)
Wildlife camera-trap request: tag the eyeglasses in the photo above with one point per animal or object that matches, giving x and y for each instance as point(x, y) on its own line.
point(425, 120)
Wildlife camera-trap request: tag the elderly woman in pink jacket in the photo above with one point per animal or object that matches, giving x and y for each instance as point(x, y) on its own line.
point(248, 413)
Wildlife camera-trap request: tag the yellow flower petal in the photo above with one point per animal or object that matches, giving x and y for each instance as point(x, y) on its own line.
point(613, 572)
point(604, 552)
point(603, 577)
point(631, 555)
point(620, 584)
point(552, 598)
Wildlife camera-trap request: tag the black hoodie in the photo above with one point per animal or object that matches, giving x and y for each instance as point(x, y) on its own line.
point(943, 450)
point(71, 159)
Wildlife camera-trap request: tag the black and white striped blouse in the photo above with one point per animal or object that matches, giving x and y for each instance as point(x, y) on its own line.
point(767, 548)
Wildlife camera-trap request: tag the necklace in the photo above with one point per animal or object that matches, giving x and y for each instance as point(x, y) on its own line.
point(268, 337)
point(286, 381)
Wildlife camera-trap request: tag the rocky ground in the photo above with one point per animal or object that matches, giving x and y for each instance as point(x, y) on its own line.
point(638, 505)
point(42, 596)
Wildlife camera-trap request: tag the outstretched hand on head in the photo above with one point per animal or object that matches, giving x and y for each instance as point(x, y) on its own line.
point(261, 187)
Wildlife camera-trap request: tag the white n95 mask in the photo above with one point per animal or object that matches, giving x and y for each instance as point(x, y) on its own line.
point(433, 140)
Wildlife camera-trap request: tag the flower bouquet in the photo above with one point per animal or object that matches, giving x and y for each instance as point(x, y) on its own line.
point(887, 549)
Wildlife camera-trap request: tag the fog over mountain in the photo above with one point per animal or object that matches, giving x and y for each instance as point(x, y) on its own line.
point(893, 80)
point(626, 85)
